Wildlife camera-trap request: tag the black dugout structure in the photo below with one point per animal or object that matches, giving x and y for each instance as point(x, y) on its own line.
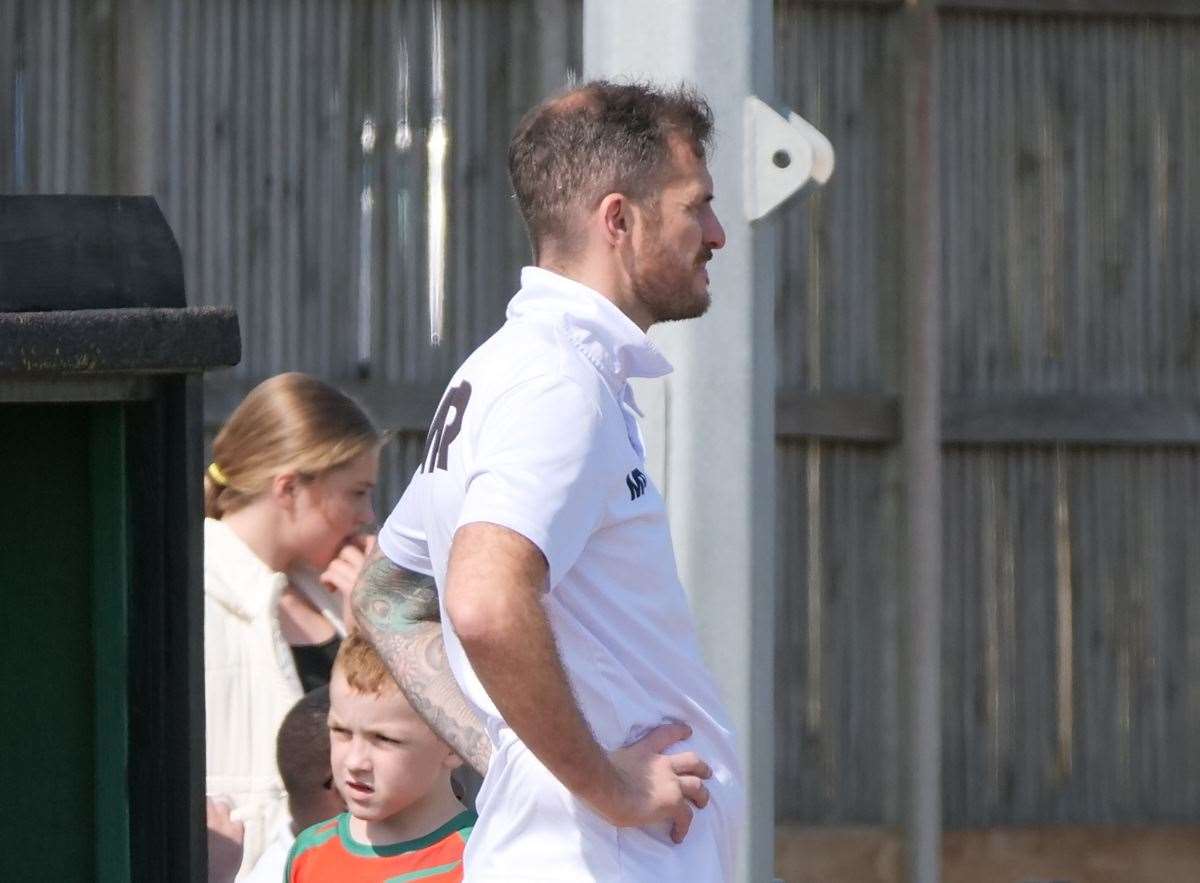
point(100, 541)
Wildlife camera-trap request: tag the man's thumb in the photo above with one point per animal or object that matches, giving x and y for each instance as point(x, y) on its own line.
point(665, 735)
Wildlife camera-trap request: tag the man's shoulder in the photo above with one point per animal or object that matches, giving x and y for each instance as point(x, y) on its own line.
point(520, 345)
point(528, 355)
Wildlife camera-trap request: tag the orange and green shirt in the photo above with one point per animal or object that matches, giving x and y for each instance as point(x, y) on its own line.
point(326, 851)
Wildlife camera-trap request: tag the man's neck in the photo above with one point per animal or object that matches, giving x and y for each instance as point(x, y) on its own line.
point(602, 278)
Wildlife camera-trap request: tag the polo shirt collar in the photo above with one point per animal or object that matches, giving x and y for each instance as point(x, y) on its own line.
point(605, 336)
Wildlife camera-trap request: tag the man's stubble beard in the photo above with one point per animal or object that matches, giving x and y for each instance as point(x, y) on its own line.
point(666, 289)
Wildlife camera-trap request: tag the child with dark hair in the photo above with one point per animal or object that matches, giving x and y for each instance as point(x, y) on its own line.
point(302, 750)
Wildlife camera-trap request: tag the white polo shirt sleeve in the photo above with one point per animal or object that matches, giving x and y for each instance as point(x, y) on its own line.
point(538, 468)
point(402, 538)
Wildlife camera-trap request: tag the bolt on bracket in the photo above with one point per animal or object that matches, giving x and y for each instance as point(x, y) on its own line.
point(785, 157)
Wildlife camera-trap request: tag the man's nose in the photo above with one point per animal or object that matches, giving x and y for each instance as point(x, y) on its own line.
point(714, 234)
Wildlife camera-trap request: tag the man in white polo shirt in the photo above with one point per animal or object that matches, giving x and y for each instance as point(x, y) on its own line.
point(566, 630)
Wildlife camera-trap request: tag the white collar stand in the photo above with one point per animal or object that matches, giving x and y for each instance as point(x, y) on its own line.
point(608, 338)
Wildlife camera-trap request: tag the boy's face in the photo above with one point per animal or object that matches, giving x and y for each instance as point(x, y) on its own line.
point(385, 759)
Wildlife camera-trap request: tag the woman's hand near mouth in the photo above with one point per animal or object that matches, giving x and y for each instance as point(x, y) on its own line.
point(343, 571)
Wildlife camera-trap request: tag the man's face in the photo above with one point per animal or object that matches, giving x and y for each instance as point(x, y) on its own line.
point(385, 759)
point(678, 236)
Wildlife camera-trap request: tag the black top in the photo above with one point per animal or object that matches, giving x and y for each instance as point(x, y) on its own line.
point(314, 663)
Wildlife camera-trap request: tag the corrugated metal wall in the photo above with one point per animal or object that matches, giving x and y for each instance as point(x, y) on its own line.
point(56, 97)
point(1069, 196)
point(258, 120)
point(1070, 168)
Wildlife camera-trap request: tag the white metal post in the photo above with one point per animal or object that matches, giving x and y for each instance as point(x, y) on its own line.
point(711, 425)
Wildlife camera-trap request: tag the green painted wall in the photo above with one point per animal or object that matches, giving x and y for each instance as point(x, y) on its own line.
point(63, 485)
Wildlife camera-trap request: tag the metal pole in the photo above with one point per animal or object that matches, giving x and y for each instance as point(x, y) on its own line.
point(921, 445)
point(711, 426)
point(136, 62)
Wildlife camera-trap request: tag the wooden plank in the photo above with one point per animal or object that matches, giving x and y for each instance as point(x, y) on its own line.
point(863, 418)
point(869, 418)
point(1063, 854)
point(396, 407)
point(1096, 8)
point(1046, 419)
point(852, 3)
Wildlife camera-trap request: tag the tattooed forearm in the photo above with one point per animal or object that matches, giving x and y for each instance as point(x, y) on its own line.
point(398, 612)
point(418, 662)
point(390, 598)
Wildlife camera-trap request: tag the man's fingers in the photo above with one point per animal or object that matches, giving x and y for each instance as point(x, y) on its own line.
point(662, 737)
point(693, 789)
point(689, 764)
point(681, 822)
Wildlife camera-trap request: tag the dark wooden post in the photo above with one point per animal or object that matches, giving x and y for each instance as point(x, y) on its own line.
point(921, 456)
point(100, 541)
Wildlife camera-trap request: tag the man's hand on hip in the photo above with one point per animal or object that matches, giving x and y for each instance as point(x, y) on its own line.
point(495, 585)
point(655, 787)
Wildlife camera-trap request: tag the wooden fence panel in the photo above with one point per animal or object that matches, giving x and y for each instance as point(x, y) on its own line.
point(836, 708)
point(1072, 199)
point(1069, 170)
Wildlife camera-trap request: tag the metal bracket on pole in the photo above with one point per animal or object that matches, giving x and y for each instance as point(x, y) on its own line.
point(784, 157)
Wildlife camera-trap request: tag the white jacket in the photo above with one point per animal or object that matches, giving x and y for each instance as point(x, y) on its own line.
point(250, 681)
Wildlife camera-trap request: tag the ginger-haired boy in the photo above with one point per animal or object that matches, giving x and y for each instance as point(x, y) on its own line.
point(404, 821)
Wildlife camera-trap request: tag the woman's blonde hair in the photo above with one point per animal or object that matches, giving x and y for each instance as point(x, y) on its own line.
point(291, 422)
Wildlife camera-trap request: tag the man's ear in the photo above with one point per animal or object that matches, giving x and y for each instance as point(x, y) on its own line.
point(614, 213)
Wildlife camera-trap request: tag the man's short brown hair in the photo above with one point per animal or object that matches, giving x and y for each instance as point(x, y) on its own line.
point(362, 667)
point(577, 147)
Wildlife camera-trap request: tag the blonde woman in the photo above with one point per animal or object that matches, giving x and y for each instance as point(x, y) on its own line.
point(286, 497)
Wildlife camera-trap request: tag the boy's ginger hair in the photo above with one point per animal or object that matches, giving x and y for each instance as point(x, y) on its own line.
point(362, 667)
